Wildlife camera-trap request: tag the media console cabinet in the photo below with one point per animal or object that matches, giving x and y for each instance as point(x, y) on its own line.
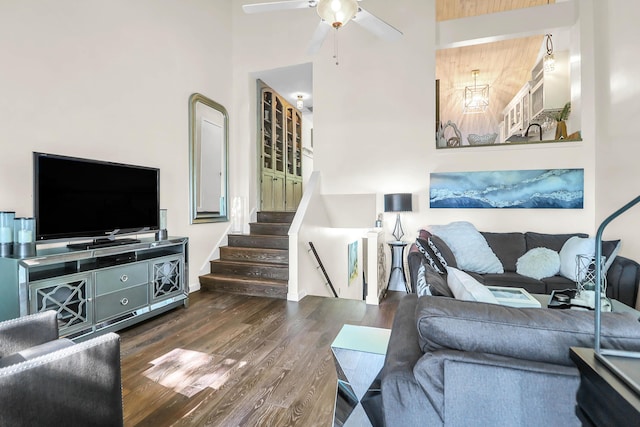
point(97, 290)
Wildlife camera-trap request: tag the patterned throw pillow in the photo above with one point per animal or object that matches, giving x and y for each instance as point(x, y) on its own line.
point(422, 285)
point(430, 282)
point(444, 250)
point(432, 254)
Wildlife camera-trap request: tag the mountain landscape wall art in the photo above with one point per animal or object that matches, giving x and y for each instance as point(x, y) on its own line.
point(512, 189)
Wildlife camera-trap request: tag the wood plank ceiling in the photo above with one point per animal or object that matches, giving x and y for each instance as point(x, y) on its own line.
point(504, 65)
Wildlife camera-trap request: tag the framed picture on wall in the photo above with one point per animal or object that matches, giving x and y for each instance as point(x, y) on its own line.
point(352, 260)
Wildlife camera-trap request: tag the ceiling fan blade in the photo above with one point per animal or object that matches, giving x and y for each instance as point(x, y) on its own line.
point(318, 37)
point(376, 25)
point(278, 5)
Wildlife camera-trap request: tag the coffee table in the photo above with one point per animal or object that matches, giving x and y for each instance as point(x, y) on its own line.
point(359, 353)
point(616, 306)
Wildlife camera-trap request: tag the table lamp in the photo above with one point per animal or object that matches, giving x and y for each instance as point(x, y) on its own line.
point(398, 202)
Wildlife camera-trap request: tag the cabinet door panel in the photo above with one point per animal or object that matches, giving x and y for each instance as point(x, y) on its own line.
point(267, 192)
point(69, 296)
point(297, 193)
point(167, 277)
point(278, 193)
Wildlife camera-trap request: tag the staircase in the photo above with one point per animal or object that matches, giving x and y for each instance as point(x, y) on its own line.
point(256, 263)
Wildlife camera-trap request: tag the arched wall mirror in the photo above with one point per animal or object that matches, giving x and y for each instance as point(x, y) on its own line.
point(208, 151)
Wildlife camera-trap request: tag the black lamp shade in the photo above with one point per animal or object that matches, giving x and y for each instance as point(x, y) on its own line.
point(400, 202)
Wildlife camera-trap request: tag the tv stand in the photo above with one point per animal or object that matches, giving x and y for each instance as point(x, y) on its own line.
point(97, 290)
point(101, 243)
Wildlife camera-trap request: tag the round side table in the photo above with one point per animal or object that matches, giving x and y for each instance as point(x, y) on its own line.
point(397, 278)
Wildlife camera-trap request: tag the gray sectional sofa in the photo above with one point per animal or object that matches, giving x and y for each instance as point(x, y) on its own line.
point(623, 275)
point(453, 362)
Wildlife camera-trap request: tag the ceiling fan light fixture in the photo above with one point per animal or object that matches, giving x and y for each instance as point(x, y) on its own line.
point(337, 12)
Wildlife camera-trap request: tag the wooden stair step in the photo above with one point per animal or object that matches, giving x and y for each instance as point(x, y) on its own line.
point(270, 228)
point(258, 241)
point(262, 255)
point(276, 216)
point(251, 269)
point(244, 286)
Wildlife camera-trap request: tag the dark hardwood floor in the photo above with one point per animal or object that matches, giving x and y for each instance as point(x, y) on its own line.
point(233, 360)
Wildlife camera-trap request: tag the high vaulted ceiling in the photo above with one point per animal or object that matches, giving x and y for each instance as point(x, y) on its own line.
point(505, 65)
point(454, 9)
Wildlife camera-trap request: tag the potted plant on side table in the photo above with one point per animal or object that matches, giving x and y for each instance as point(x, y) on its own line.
point(561, 124)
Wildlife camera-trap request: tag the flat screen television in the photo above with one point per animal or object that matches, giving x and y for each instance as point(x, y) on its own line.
point(82, 198)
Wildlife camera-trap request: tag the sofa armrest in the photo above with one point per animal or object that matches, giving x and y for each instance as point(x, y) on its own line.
point(402, 397)
point(623, 278)
point(79, 385)
point(27, 331)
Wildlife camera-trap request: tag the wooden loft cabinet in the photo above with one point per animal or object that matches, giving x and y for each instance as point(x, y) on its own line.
point(280, 138)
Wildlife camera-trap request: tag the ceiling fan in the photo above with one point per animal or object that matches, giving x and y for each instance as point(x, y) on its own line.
point(333, 14)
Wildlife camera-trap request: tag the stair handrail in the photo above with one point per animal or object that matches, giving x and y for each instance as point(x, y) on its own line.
point(322, 269)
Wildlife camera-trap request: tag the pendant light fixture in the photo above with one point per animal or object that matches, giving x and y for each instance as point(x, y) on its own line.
point(549, 60)
point(337, 12)
point(476, 98)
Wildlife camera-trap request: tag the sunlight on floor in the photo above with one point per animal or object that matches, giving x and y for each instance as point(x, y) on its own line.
point(188, 372)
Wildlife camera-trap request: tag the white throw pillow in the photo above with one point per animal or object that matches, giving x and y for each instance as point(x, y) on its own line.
point(572, 247)
point(465, 287)
point(539, 263)
point(470, 248)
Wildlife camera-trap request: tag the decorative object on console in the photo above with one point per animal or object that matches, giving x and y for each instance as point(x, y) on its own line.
point(6, 232)
point(399, 202)
point(488, 138)
point(586, 281)
point(561, 125)
point(162, 233)
point(453, 141)
point(378, 223)
point(24, 237)
point(476, 98)
point(533, 189)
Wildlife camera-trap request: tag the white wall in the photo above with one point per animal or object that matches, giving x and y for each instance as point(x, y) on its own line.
point(618, 109)
point(111, 81)
point(373, 118)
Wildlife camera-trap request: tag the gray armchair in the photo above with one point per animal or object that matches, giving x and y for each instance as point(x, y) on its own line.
point(46, 380)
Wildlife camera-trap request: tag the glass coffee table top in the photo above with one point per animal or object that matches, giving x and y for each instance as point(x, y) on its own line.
point(362, 338)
